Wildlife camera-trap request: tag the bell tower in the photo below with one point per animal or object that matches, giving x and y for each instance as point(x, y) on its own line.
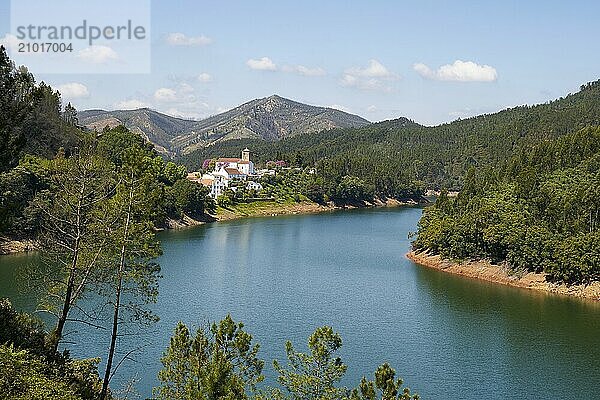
point(246, 155)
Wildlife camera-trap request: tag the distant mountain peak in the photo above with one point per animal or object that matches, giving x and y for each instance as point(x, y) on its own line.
point(269, 118)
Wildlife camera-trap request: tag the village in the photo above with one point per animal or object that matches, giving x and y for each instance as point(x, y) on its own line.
point(229, 170)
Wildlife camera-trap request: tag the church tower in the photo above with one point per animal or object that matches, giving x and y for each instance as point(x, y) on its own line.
point(246, 155)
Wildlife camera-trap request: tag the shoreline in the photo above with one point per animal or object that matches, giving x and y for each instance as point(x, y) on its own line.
point(486, 271)
point(242, 210)
point(15, 246)
point(302, 208)
point(272, 209)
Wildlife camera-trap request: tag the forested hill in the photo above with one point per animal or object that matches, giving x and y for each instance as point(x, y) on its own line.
point(432, 156)
point(32, 119)
point(40, 141)
point(540, 213)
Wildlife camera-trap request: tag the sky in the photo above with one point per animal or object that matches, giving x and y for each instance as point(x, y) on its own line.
point(430, 61)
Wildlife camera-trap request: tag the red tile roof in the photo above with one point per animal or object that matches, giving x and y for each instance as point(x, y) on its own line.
point(233, 171)
point(228, 160)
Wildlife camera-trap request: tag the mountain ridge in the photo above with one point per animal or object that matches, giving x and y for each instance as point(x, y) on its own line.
point(438, 155)
point(269, 118)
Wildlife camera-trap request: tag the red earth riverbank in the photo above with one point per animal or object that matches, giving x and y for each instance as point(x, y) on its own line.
point(489, 272)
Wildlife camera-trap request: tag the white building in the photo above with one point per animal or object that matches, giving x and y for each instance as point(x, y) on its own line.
point(244, 165)
point(226, 170)
point(216, 182)
point(232, 173)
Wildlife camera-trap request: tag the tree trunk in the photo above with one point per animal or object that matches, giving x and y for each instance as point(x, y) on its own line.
point(117, 304)
point(57, 334)
point(62, 319)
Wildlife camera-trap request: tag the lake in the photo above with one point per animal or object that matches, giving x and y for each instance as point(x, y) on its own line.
point(448, 337)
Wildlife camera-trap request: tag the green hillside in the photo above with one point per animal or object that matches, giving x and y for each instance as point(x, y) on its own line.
point(539, 213)
point(411, 155)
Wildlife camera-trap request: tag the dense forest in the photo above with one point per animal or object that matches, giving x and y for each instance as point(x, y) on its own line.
point(400, 157)
point(539, 212)
point(34, 177)
point(37, 134)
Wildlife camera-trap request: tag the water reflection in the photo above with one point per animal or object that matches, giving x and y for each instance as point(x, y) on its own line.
point(447, 336)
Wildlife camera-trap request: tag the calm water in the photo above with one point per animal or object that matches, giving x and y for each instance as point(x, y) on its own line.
point(448, 337)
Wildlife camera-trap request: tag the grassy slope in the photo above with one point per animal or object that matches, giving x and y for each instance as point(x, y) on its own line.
point(269, 208)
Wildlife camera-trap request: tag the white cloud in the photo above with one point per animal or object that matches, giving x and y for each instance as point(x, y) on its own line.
point(459, 71)
point(262, 64)
point(339, 107)
point(266, 64)
point(304, 71)
point(375, 69)
point(371, 108)
point(180, 39)
point(131, 104)
point(10, 42)
point(97, 54)
point(349, 80)
point(73, 90)
point(204, 77)
point(178, 100)
point(175, 112)
point(165, 95)
point(189, 107)
point(185, 88)
point(375, 76)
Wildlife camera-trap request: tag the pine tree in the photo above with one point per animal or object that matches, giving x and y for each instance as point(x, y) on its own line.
point(131, 270)
point(79, 185)
point(69, 115)
point(16, 87)
point(219, 363)
point(386, 384)
point(314, 375)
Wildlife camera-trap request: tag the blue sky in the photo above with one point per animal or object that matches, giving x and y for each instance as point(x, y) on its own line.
point(431, 61)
